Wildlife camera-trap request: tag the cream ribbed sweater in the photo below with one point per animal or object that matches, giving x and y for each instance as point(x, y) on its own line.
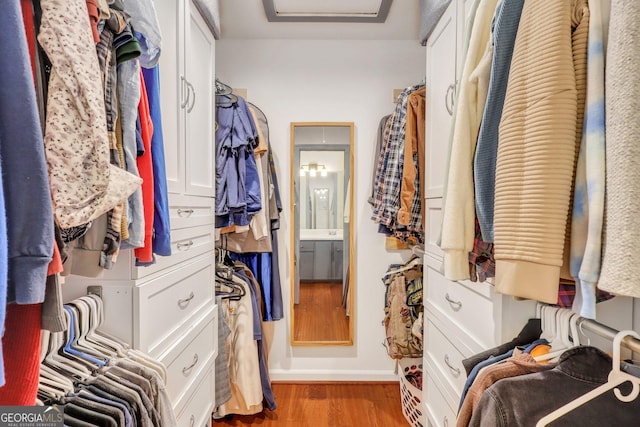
point(620, 269)
point(458, 218)
point(539, 138)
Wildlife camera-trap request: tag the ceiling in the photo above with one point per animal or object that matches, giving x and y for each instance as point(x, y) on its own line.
point(246, 19)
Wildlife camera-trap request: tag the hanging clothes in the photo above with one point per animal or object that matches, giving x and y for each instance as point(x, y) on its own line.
point(393, 185)
point(540, 132)
point(238, 195)
point(458, 213)
point(523, 400)
point(622, 232)
point(84, 185)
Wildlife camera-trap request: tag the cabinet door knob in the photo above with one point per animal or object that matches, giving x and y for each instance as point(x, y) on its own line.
point(192, 421)
point(183, 85)
point(185, 301)
point(188, 368)
point(185, 212)
point(445, 421)
point(456, 305)
point(184, 246)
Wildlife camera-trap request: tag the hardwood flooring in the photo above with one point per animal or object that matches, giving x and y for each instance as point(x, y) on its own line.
point(329, 405)
point(320, 315)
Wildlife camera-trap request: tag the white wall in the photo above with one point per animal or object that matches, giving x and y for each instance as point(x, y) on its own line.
point(328, 80)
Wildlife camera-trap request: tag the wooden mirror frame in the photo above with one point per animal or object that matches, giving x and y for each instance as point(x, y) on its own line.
point(292, 261)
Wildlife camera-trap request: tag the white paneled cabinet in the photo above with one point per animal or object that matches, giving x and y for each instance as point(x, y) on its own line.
point(187, 77)
point(168, 309)
point(461, 318)
point(200, 109)
point(172, 86)
point(440, 86)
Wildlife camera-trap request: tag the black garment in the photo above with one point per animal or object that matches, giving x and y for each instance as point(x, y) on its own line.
point(130, 405)
point(90, 416)
point(146, 400)
point(522, 401)
point(529, 333)
point(101, 408)
point(74, 422)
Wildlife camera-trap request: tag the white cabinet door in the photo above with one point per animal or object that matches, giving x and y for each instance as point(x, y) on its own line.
point(172, 90)
point(200, 63)
point(441, 72)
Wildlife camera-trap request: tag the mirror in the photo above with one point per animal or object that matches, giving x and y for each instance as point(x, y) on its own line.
point(322, 234)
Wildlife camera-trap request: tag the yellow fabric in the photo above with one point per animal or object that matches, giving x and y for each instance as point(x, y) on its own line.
point(539, 139)
point(540, 350)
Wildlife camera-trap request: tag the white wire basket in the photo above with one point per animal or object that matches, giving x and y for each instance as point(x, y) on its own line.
point(410, 395)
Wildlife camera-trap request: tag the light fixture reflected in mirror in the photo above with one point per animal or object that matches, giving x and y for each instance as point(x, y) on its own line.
point(322, 234)
point(313, 169)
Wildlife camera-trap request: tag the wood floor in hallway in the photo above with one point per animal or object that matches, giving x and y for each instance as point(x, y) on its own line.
point(329, 405)
point(320, 315)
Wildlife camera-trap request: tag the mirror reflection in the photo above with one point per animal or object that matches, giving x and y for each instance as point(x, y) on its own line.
point(321, 300)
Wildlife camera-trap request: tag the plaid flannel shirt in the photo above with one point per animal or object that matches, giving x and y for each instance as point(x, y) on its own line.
point(387, 201)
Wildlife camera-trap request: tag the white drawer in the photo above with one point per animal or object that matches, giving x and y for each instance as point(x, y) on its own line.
point(168, 303)
point(190, 357)
point(199, 406)
point(470, 311)
point(439, 413)
point(190, 211)
point(446, 356)
point(433, 219)
point(186, 243)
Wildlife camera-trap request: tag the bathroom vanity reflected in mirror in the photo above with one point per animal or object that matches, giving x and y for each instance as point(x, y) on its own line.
point(322, 233)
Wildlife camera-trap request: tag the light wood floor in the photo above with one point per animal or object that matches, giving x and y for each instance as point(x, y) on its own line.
point(320, 315)
point(329, 405)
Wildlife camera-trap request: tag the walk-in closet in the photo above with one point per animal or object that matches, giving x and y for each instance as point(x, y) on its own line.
point(319, 213)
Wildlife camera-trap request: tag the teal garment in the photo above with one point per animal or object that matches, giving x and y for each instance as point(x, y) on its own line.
point(505, 28)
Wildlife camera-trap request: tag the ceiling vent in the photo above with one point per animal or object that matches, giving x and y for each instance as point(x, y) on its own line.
point(327, 10)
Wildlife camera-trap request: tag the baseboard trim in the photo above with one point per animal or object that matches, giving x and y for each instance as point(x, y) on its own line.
point(313, 375)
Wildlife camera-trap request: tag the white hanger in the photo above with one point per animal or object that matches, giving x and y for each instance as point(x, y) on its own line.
point(616, 377)
point(408, 266)
point(562, 339)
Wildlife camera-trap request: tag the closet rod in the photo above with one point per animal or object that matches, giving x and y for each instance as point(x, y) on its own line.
point(604, 331)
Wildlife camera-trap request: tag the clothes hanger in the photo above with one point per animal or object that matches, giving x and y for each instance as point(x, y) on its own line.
point(413, 262)
point(562, 339)
point(72, 348)
point(95, 335)
point(616, 378)
point(226, 91)
point(48, 375)
point(84, 317)
point(61, 364)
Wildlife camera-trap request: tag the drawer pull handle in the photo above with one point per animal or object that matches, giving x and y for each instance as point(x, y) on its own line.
point(190, 367)
point(456, 305)
point(445, 421)
point(192, 421)
point(185, 212)
point(185, 301)
point(185, 246)
point(454, 370)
